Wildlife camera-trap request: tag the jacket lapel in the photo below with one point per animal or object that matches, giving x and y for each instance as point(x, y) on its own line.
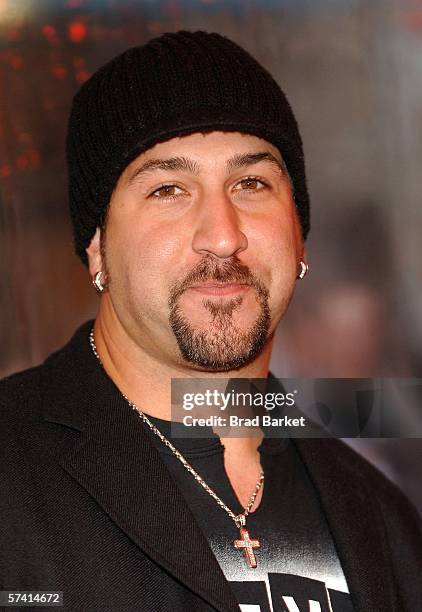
point(356, 525)
point(116, 462)
point(114, 459)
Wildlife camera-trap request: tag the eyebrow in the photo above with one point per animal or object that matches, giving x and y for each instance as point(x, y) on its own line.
point(171, 163)
point(240, 160)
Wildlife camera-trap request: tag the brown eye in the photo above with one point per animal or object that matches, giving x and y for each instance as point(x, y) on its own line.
point(167, 191)
point(250, 183)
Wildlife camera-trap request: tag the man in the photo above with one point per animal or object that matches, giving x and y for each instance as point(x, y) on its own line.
point(189, 206)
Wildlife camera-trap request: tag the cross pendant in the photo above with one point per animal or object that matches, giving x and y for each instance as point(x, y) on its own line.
point(248, 545)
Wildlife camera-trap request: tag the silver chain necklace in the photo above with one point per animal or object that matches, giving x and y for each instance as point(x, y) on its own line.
point(246, 543)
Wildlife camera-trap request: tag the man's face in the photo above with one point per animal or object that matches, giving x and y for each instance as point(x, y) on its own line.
point(201, 249)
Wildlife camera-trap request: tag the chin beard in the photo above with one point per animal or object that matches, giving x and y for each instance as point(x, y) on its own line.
point(223, 346)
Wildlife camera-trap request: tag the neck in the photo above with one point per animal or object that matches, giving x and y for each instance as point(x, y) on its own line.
point(146, 379)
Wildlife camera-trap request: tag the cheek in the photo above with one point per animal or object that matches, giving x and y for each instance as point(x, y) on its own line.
point(278, 245)
point(140, 262)
point(283, 273)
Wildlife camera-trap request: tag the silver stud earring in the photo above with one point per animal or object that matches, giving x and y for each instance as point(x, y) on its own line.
point(97, 282)
point(303, 270)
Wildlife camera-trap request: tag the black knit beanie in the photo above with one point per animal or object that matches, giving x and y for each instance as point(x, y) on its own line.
point(178, 83)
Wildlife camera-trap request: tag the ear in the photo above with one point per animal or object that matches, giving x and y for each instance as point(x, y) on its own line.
point(301, 255)
point(299, 242)
point(94, 254)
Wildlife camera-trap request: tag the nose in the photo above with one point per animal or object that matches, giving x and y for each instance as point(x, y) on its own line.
point(218, 228)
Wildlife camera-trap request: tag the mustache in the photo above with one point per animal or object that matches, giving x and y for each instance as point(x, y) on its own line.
point(209, 269)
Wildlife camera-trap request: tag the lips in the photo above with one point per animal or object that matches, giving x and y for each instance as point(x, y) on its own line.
point(215, 288)
point(217, 284)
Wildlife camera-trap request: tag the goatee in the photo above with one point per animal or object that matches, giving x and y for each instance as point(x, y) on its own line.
point(223, 345)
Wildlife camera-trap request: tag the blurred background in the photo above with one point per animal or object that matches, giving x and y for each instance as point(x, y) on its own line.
point(352, 72)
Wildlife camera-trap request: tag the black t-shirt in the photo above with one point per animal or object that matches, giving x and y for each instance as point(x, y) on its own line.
point(298, 569)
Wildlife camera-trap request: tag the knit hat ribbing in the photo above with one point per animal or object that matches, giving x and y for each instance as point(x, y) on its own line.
point(178, 83)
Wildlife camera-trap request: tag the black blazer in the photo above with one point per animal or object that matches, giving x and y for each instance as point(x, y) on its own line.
point(88, 507)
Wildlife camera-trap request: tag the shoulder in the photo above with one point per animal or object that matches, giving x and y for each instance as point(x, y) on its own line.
point(338, 463)
point(332, 454)
point(362, 470)
point(22, 394)
point(19, 393)
point(20, 411)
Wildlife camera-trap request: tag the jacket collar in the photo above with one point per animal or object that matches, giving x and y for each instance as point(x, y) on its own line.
point(355, 522)
point(114, 459)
